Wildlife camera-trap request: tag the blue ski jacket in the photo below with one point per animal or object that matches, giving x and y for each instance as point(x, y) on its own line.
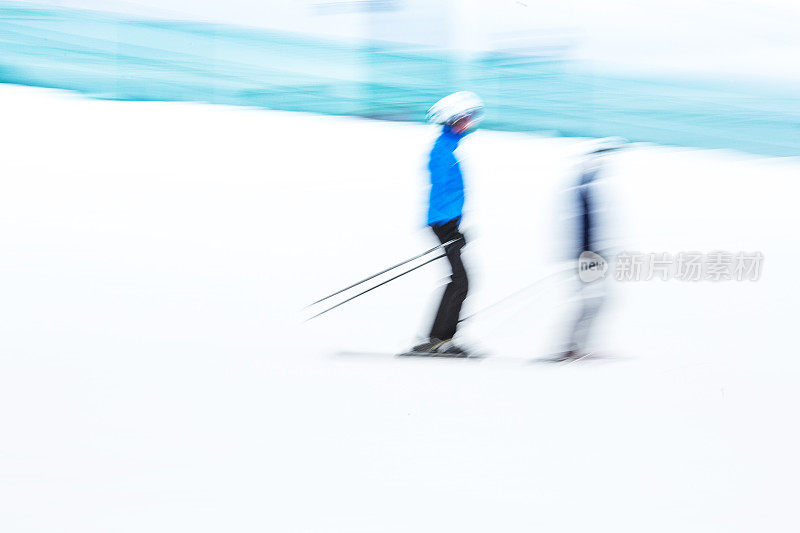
point(447, 185)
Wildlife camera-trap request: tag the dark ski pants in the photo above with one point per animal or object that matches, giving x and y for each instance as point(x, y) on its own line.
point(446, 321)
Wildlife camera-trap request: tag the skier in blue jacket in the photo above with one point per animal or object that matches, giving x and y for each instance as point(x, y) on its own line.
point(458, 114)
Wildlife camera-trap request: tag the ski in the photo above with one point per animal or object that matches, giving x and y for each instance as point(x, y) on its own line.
point(557, 359)
point(350, 353)
point(441, 355)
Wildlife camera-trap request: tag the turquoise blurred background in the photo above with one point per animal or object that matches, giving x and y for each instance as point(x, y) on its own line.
point(115, 57)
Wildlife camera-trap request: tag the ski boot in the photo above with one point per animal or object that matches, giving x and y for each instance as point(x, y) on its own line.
point(439, 348)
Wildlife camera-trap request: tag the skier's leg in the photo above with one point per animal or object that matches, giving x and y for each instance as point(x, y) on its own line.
point(444, 326)
point(592, 299)
point(446, 321)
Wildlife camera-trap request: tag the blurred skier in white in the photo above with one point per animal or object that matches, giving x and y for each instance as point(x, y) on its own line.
point(590, 246)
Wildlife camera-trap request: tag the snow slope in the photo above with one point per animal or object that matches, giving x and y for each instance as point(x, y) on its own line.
point(156, 375)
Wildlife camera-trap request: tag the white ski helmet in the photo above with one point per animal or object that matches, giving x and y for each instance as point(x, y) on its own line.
point(453, 107)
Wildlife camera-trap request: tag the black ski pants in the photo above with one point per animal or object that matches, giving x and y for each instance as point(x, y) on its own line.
point(446, 321)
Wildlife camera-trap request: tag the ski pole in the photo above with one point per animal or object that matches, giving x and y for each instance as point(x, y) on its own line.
point(378, 285)
point(384, 271)
point(514, 294)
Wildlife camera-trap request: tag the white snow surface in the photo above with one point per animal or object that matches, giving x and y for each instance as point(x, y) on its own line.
point(156, 374)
